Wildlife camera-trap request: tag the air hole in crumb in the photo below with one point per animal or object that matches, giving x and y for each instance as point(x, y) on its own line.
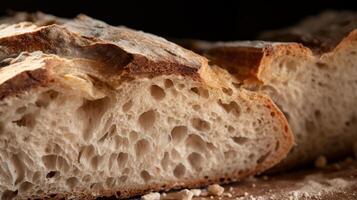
point(196, 142)
point(36, 176)
point(196, 161)
point(196, 107)
point(87, 178)
point(232, 107)
point(240, 140)
point(321, 65)
point(230, 154)
point(165, 161)
point(45, 98)
point(251, 156)
point(181, 86)
point(133, 135)
point(50, 161)
point(175, 154)
point(25, 186)
point(231, 129)
point(122, 159)
point(200, 124)
point(27, 120)
point(96, 162)
point(317, 114)
point(168, 83)
point(147, 119)
point(126, 107)
point(1, 128)
point(21, 109)
point(178, 133)
point(110, 182)
point(179, 170)
point(227, 91)
point(92, 112)
point(142, 147)
point(145, 175)
point(9, 194)
point(263, 157)
point(103, 137)
point(121, 141)
point(126, 170)
point(200, 92)
point(237, 85)
point(52, 174)
point(157, 92)
point(123, 178)
point(72, 182)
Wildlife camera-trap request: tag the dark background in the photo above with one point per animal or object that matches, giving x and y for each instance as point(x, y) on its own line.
point(209, 20)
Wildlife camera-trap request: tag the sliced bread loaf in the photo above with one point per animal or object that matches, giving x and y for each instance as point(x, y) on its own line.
point(89, 110)
point(315, 84)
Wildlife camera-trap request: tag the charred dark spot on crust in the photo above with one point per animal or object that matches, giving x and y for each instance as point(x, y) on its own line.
point(24, 81)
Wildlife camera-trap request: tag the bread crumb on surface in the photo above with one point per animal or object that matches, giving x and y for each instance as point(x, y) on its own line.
point(321, 162)
point(196, 192)
point(181, 195)
point(215, 190)
point(227, 194)
point(151, 196)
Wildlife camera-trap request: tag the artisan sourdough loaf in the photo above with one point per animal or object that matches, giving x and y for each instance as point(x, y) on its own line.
point(89, 110)
point(313, 83)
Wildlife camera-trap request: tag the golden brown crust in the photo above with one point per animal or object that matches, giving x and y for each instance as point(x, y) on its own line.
point(24, 82)
point(246, 60)
point(121, 51)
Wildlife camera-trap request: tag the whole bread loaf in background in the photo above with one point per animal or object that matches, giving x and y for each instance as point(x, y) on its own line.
point(89, 110)
point(314, 81)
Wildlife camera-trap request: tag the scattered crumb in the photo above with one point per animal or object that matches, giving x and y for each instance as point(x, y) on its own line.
point(227, 194)
point(196, 192)
point(321, 162)
point(215, 190)
point(253, 185)
point(151, 196)
point(182, 195)
point(246, 194)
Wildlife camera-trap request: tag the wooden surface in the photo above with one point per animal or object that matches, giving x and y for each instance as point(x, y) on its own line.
point(336, 181)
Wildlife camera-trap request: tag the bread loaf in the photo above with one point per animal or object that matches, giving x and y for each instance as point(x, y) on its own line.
point(90, 110)
point(313, 83)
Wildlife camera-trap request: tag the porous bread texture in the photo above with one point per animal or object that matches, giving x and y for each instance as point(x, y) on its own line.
point(318, 97)
point(77, 121)
point(166, 130)
point(316, 92)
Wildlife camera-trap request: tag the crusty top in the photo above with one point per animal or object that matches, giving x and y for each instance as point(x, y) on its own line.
point(313, 37)
point(120, 51)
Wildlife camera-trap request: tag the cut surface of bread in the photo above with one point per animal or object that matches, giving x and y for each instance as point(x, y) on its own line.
point(315, 88)
point(89, 110)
